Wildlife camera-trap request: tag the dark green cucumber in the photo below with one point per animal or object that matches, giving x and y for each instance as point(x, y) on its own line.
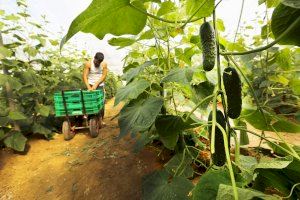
point(208, 43)
point(233, 89)
point(219, 157)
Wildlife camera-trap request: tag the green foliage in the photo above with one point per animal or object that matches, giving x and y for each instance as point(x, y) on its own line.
point(179, 75)
point(139, 115)
point(225, 192)
point(283, 16)
point(116, 21)
point(15, 141)
point(33, 77)
point(164, 79)
point(207, 187)
point(180, 165)
point(112, 84)
point(156, 186)
point(169, 128)
point(280, 124)
point(206, 10)
point(131, 91)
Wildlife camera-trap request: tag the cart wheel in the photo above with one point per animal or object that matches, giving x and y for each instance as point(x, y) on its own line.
point(94, 127)
point(66, 130)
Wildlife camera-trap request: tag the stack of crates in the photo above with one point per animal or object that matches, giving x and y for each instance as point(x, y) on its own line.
point(93, 102)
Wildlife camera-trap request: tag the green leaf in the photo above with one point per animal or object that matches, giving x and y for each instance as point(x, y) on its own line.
point(157, 186)
point(43, 110)
point(208, 186)
point(281, 124)
point(16, 115)
point(166, 7)
point(272, 179)
point(135, 71)
point(116, 17)
point(143, 139)
point(131, 91)
point(201, 91)
point(4, 52)
point(278, 150)
point(206, 9)
point(279, 79)
point(54, 42)
point(291, 3)
point(146, 35)
point(180, 165)
point(16, 141)
point(139, 115)
point(225, 192)
point(12, 17)
point(40, 129)
point(220, 25)
point(180, 75)
point(272, 3)
point(195, 39)
point(295, 86)
point(28, 89)
point(169, 127)
point(185, 54)
point(2, 134)
point(255, 118)
point(282, 17)
point(284, 59)
point(274, 163)
point(247, 166)
point(121, 42)
point(199, 77)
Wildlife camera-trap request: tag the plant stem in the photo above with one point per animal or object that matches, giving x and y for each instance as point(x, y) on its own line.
point(240, 17)
point(174, 101)
point(237, 148)
point(227, 152)
point(224, 102)
point(287, 31)
point(214, 121)
point(199, 104)
point(291, 192)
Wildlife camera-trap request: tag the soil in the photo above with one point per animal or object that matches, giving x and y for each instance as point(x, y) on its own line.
point(103, 168)
point(82, 168)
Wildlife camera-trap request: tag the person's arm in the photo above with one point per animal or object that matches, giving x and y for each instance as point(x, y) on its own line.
point(103, 77)
point(85, 75)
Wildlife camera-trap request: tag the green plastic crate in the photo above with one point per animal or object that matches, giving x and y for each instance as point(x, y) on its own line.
point(93, 102)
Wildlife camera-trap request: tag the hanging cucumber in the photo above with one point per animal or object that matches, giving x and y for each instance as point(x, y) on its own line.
point(233, 89)
point(219, 157)
point(208, 43)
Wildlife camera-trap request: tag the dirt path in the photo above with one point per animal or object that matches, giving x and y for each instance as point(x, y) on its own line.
point(83, 168)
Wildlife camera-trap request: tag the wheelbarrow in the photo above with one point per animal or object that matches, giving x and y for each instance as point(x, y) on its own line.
point(81, 109)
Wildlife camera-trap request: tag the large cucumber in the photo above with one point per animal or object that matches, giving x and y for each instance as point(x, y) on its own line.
point(219, 157)
point(233, 88)
point(208, 43)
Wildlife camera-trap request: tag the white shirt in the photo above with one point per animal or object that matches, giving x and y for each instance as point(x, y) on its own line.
point(95, 74)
